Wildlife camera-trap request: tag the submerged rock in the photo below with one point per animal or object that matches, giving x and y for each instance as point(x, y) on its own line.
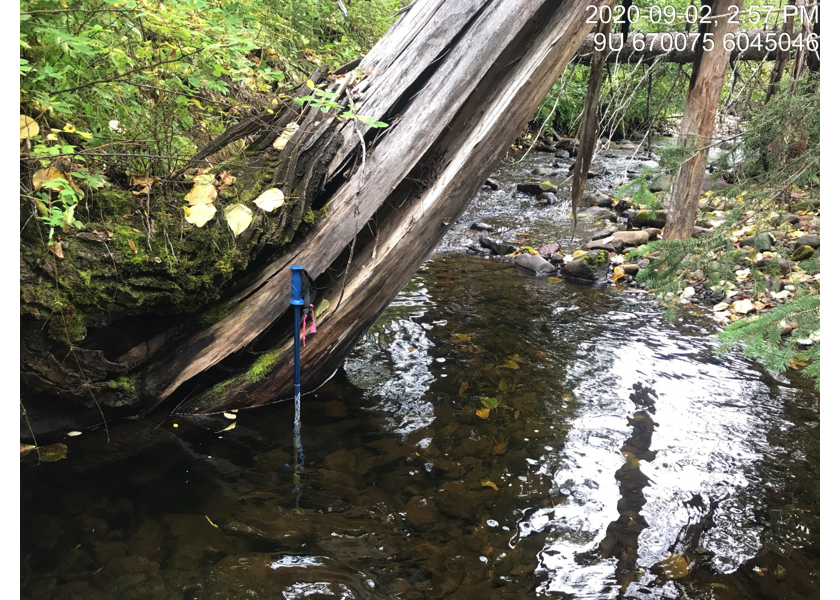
point(547, 199)
point(477, 226)
point(493, 184)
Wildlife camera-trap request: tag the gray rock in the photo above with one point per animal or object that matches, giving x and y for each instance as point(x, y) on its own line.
point(648, 218)
point(598, 213)
point(548, 249)
point(614, 245)
point(534, 263)
point(493, 184)
point(605, 232)
point(496, 246)
point(592, 197)
point(544, 148)
point(653, 232)
point(764, 241)
point(547, 198)
point(630, 269)
point(556, 259)
point(698, 231)
point(577, 269)
point(605, 202)
point(569, 145)
point(661, 183)
point(562, 154)
point(786, 218)
point(534, 189)
point(478, 226)
point(809, 239)
point(540, 171)
point(632, 238)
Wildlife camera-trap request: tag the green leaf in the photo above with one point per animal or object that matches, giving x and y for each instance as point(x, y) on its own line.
point(489, 402)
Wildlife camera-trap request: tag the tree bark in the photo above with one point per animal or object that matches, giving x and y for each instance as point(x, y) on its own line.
point(456, 82)
point(589, 126)
point(697, 127)
point(781, 60)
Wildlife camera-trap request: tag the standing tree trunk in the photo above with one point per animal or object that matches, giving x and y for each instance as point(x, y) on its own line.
point(698, 124)
point(590, 126)
point(781, 59)
point(456, 81)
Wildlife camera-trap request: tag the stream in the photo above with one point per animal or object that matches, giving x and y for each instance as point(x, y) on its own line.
point(493, 435)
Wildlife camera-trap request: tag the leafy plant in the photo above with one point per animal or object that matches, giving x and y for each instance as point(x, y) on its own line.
point(325, 101)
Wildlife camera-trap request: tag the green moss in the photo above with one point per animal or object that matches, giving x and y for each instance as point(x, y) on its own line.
point(217, 313)
point(596, 258)
point(649, 218)
point(263, 365)
point(125, 383)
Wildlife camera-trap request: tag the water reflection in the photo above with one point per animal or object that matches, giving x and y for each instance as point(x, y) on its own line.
point(504, 444)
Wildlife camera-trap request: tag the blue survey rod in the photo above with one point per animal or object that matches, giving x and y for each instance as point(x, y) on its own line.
point(297, 302)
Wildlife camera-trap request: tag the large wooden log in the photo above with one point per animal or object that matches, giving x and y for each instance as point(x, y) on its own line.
point(456, 81)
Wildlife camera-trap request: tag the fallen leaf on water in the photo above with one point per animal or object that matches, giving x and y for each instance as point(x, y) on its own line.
point(463, 387)
point(618, 273)
point(199, 214)
point(238, 217)
point(555, 280)
point(270, 200)
point(484, 413)
point(461, 338)
point(674, 567)
point(228, 428)
point(489, 402)
point(500, 448)
point(53, 453)
point(211, 522)
point(26, 449)
point(73, 433)
point(508, 365)
point(490, 484)
point(229, 415)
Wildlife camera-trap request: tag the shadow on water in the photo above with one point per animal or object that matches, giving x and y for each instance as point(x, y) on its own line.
point(492, 436)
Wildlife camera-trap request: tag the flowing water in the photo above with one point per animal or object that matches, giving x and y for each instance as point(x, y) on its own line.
point(492, 436)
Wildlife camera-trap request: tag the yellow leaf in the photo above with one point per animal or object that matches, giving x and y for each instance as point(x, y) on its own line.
point(464, 387)
point(73, 433)
point(228, 428)
point(508, 365)
point(28, 127)
point(238, 217)
point(42, 176)
point(199, 214)
point(26, 449)
point(270, 200)
point(204, 179)
point(322, 307)
point(69, 128)
point(490, 484)
point(201, 193)
point(211, 522)
point(280, 143)
point(618, 273)
point(555, 280)
point(230, 416)
point(309, 84)
point(484, 413)
point(578, 253)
